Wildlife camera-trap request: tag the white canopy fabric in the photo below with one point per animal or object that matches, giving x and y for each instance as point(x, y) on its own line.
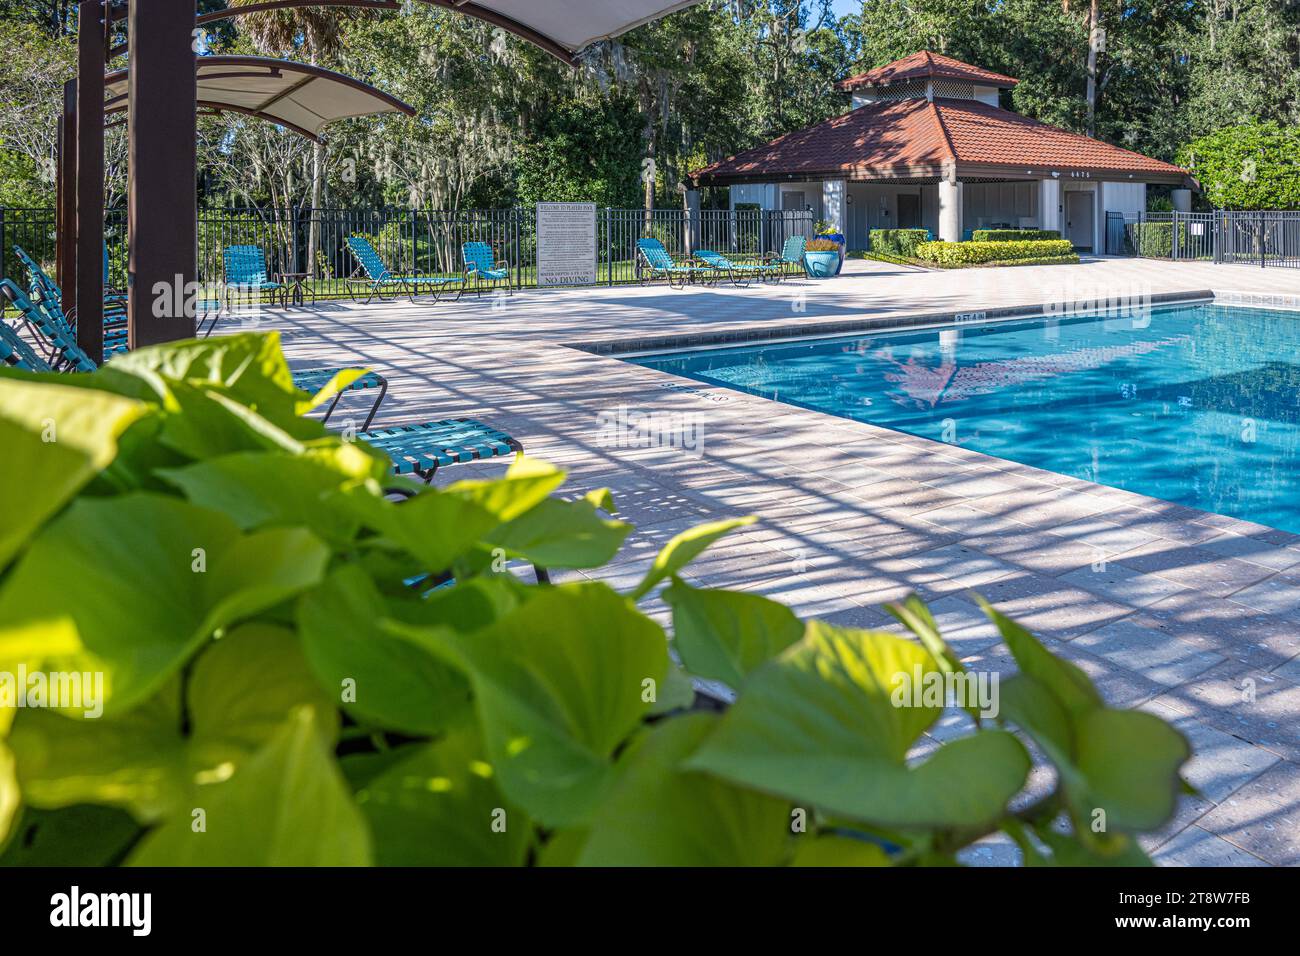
point(569, 24)
point(298, 96)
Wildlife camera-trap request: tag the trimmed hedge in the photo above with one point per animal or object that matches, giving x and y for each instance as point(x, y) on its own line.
point(898, 242)
point(978, 253)
point(1155, 240)
point(1013, 235)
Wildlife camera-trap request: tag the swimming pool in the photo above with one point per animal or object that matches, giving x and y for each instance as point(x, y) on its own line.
point(1194, 403)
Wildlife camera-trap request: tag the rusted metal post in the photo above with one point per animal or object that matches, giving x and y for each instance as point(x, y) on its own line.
point(162, 205)
point(90, 179)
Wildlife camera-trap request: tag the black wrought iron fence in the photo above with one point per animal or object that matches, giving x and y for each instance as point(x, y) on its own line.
point(313, 242)
point(1264, 238)
point(1270, 238)
point(1161, 235)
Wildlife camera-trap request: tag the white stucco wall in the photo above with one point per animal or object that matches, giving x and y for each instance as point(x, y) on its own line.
point(1124, 197)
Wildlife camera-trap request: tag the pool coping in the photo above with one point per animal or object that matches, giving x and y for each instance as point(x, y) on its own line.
point(646, 345)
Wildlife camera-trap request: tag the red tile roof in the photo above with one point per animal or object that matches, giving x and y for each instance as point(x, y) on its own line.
point(916, 138)
point(923, 65)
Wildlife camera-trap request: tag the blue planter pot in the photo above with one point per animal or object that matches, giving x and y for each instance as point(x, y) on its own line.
point(822, 265)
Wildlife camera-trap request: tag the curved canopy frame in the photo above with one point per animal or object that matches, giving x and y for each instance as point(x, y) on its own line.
point(298, 96)
point(561, 29)
point(162, 91)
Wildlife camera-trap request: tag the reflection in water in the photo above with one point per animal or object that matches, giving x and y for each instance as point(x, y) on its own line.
point(1195, 404)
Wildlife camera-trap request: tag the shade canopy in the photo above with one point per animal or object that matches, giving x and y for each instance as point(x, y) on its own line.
point(565, 26)
point(298, 96)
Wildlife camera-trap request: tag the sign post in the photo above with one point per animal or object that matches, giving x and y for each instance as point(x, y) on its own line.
point(566, 244)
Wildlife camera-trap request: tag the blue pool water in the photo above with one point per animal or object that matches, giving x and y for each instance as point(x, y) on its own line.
point(1197, 404)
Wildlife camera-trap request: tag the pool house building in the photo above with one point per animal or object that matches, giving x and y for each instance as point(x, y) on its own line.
point(927, 144)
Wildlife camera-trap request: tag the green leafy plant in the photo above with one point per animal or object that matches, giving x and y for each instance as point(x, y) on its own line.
point(1155, 240)
point(897, 242)
point(984, 253)
point(1013, 235)
point(299, 668)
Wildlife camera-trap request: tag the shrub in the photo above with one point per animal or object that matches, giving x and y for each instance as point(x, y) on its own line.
point(1155, 240)
point(822, 245)
point(898, 242)
point(1249, 166)
point(337, 679)
point(977, 253)
point(1013, 235)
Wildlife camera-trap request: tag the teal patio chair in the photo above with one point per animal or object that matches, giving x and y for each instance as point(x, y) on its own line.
point(418, 450)
point(483, 267)
point(739, 272)
point(42, 287)
point(789, 261)
point(245, 271)
point(378, 276)
point(66, 356)
point(16, 353)
point(660, 264)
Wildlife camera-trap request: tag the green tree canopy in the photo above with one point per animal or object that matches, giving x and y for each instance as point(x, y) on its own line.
point(1248, 166)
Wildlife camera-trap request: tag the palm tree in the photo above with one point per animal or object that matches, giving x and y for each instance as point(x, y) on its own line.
point(317, 32)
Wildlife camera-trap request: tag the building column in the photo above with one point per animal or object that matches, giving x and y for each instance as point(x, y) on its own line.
point(91, 30)
point(950, 218)
point(161, 213)
point(1049, 205)
point(834, 192)
point(693, 220)
point(1182, 200)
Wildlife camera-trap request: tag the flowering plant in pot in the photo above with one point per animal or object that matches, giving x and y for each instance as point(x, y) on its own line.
point(840, 242)
point(822, 257)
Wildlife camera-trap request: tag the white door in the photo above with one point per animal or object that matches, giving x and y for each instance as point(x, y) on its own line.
point(1078, 219)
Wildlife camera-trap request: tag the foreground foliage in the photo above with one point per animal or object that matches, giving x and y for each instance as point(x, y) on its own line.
point(301, 670)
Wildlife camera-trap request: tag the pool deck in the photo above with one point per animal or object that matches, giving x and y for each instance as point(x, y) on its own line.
point(1192, 616)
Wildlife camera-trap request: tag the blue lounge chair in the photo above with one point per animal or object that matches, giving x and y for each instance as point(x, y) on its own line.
point(15, 352)
point(65, 355)
point(378, 276)
point(739, 272)
point(245, 271)
point(659, 263)
point(422, 449)
point(62, 352)
point(483, 268)
point(41, 286)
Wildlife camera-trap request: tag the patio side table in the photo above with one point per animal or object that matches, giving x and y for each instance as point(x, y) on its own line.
point(295, 283)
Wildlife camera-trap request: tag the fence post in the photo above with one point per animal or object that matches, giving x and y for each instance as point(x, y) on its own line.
point(1263, 260)
point(609, 245)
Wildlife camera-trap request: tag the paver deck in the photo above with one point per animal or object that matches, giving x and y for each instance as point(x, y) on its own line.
point(1193, 616)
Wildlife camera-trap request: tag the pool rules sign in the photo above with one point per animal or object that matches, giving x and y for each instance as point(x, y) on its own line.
point(566, 244)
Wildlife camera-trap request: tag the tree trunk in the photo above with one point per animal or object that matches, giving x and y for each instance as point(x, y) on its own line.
point(313, 222)
point(1094, 41)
